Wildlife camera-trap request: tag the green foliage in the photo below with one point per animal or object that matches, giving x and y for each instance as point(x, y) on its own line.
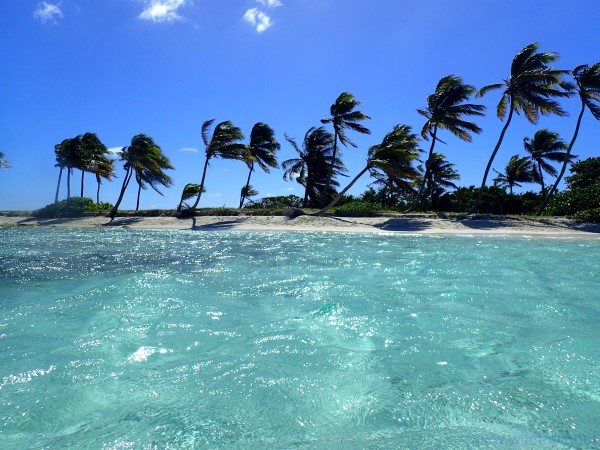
point(494, 200)
point(357, 207)
point(573, 201)
point(590, 215)
point(279, 202)
point(73, 207)
point(584, 173)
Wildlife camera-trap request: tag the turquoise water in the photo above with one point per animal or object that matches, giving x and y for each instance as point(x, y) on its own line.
point(114, 339)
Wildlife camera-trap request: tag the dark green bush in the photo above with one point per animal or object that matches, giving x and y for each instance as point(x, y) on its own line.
point(590, 215)
point(73, 207)
point(356, 207)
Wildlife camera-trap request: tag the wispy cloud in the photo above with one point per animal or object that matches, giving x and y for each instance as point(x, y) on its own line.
point(290, 189)
point(162, 10)
point(115, 150)
point(258, 19)
point(47, 12)
point(189, 149)
point(215, 195)
point(270, 3)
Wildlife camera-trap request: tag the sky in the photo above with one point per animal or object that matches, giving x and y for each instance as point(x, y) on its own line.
point(118, 68)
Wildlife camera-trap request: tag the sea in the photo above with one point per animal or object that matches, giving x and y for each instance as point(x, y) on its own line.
point(131, 339)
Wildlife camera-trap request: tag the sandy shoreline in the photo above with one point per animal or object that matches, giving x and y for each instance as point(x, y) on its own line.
point(414, 224)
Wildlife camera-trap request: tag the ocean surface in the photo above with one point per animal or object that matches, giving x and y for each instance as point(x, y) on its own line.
point(116, 339)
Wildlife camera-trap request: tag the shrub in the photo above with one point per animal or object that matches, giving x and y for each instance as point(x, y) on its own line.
point(73, 207)
point(590, 215)
point(356, 207)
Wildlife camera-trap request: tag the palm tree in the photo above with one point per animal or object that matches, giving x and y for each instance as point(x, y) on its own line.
point(261, 150)
point(518, 170)
point(4, 164)
point(94, 159)
point(545, 146)
point(446, 109)
point(531, 89)
point(190, 190)
point(68, 156)
point(144, 159)
point(393, 157)
point(440, 176)
point(224, 143)
point(314, 166)
point(587, 86)
point(343, 116)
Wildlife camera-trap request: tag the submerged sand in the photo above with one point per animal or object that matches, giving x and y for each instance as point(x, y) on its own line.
point(408, 224)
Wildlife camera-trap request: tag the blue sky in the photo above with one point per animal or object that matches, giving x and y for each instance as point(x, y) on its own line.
point(162, 67)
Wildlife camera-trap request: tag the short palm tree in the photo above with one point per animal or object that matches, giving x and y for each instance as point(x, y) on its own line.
point(393, 157)
point(262, 150)
point(587, 86)
point(440, 174)
point(446, 109)
point(224, 143)
point(518, 170)
point(531, 89)
point(545, 146)
point(190, 190)
point(144, 159)
point(4, 164)
point(94, 159)
point(314, 166)
point(345, 116)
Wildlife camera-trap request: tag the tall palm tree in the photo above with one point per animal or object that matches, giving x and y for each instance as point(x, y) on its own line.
point(144, 159)
point(224, 143)
point(93, 158)
point(544, 147)
point(344, 116)
point(518, 170)
point(393, 157)
point(261, 150)
point(587, 86)
point(446, 109)
point(68, 156)
point(103, 169)
point(314, 166)
point(531, 88)
point(4, 164)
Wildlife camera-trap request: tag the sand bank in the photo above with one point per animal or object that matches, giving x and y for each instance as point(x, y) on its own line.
point(408, 224)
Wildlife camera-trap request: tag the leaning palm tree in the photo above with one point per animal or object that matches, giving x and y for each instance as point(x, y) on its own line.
point(314, 166)
point(344, 116)
point(587, 86)
point(189, 190)
point(446, 109)
point(68, 156)
point(93, 158)
point(531, 89)
point(224, 143)
point(4, 164)
point(262, 150)
point(518, 170)
point(393, 157)
point(104, 168)
point(545, 146)
point(143, 159)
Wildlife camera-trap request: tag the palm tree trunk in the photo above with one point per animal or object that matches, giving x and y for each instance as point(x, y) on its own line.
point(417, 198)
point(341, 194)
point(242, 196)
point(489, 165)
point(201, 185)
point(335, 139)
point(69, 170)
point(98, 190)
point(82, 175)
point(126, 180)
point(564, 166)
point(58, 185)
point(137, 205)
point(541, 176)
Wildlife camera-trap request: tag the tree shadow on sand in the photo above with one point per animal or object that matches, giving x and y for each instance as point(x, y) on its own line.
point(217, 226)
point(408, 225)
point(122, 222)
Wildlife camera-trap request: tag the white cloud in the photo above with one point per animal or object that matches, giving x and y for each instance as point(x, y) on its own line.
point(47, 12)
point(162, 10)
point(270, 3)
point(115, 150)
point(215, 195)
point(290, 189)
point(189, 149)
point(258, 19)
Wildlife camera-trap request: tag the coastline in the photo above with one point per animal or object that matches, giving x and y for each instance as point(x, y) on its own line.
point(419, 224)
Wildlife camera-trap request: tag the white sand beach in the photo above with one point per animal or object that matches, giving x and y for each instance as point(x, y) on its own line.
point(407, 224)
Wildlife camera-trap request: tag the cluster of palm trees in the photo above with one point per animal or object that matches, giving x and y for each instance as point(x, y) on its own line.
point(532, 89)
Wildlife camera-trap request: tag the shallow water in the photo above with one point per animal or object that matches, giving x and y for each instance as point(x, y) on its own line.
point(118, 339)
